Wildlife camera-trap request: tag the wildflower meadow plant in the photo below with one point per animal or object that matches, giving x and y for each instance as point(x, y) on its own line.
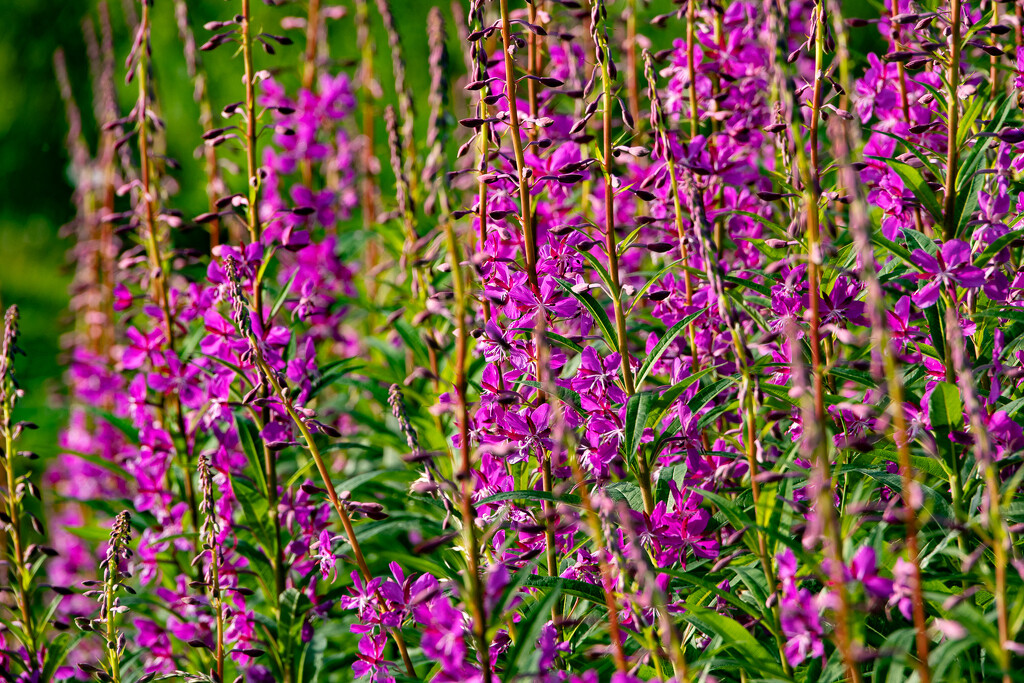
point(651, 340)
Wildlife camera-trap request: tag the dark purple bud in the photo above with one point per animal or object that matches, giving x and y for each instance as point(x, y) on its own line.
point(1012, 135)
point(280, 40)
point(216, 41)
point(660, 247)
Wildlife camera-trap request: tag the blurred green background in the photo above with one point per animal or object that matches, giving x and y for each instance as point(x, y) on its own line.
point(36, 192)
point(35, 195)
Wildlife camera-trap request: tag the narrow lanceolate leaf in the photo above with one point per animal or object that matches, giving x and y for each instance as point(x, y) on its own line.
point(729, 634)
point(708, 393)
point(916, 183)
point(248, 437)
point(945, 411)
point(663, 345)
point(540, 496)
point(666, 400)
point(637, 408)
point(944, 406)
point(596, 311)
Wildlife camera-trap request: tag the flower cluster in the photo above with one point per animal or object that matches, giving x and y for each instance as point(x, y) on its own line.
point(690, 353)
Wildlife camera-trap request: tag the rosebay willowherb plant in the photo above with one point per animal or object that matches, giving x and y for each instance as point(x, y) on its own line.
point(638, 341)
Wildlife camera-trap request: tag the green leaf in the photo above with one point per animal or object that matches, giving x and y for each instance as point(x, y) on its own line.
point(122, 424)
point(692, 578)
point(734, 637)
point(655, 278)
point(659, 349)
point(945, 658)
point(944, 407)
point(248, 437)
point(706, 394)
point(96, 460)
point(903, 253)
point(564, 342)
point(283, 296)
point(293, 604)
point(1000, 243)
point(565, 394)
point(663, 404)
point(412, 340)
point(57, 651)
point(579, 589)
point(254, 507)
point(971, 162)
point(980, 627)
point(637, 408)
point(895, 482)
point(628, 492)
point(933, 314)
point(777, 229)
point(970, 114)
point(396, 477)
point(916, 183)
point(913, 148)
point(599, 315)
point(528, 629)
point(857, 376)
point(332, 372)
point(947, 415)
point(772, 253)
point(598, 267)
point(541, 496)
point(739, 519)
point(763, 290)
point(918, 240)
point(967, 204)
point(260, 563)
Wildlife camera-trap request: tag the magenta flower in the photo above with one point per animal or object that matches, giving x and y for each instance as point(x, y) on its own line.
point(902, 589)
point(326, 558)
point(144, 347)
point(950, 266)
point(371, 660)
point(864, 568)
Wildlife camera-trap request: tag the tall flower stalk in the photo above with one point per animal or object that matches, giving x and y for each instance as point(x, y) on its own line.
point(816, 420)
point(526, 217)
point(599, 17)
point(17, 572)
point(210, 534)
point(998, 535)
point(526, 210)
point(949, 217)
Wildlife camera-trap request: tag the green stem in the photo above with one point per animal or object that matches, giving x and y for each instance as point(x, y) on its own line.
point(526, 212)
point(476, 591)
point(19, 570)
point(952, 123)
point(611, 245)
point(530, 238)
point(812, 197)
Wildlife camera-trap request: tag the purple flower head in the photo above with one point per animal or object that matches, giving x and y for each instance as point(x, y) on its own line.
point(801, 624)
point(863, 568)
point(902, 588)
point(325, 557)
point(950, 266)
point(370, 659)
